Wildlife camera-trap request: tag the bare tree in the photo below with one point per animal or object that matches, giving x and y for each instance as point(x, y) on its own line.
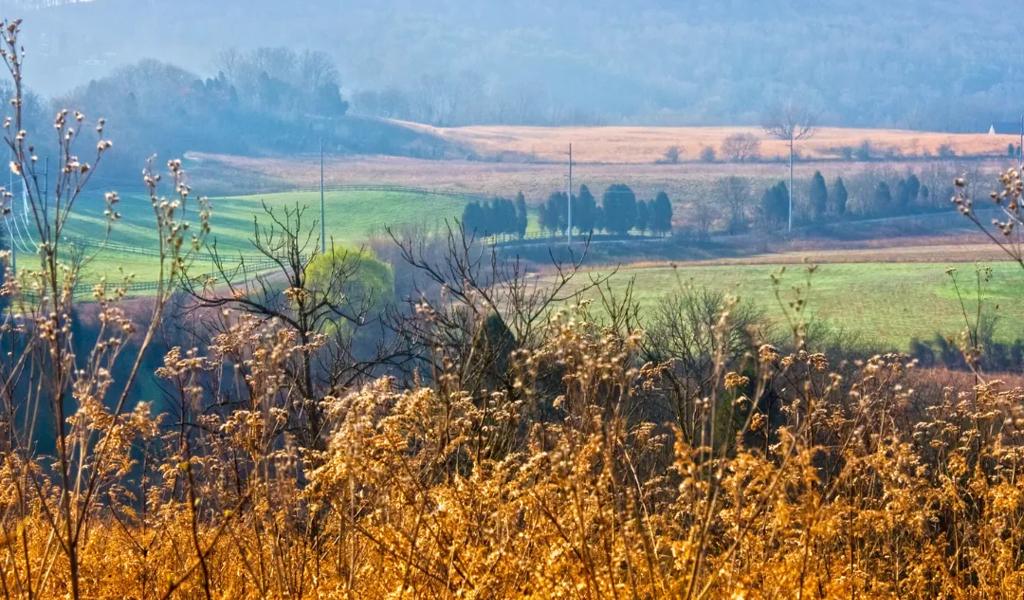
point(705, 214)
point(741, 147)
point(317, 297)
point(671, 156)
point(790, 123)
point(734, 193)
point(316, 69)
point(695, 332)
point(471, 307)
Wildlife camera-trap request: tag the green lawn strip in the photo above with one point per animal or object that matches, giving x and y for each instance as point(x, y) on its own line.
point(351, 217)
point(885, 304)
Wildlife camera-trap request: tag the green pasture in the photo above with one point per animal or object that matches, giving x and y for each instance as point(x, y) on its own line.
point(882, 304)
point(352, 216)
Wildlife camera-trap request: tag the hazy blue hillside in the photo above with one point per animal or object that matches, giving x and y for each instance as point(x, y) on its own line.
point(944, 64)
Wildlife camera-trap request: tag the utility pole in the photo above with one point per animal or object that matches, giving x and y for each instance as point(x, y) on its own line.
point(323, 225)
point(790, 124)
point(10, 239)
point(10, 232)
point(46, 189)
point(1020, 147)
point(789, 229)
point(568, 230)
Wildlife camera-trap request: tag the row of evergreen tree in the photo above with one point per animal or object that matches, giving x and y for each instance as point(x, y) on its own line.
point(619, 212)
point(825, 202)
point(495, 217)
point(909, 192)
point(775, 200)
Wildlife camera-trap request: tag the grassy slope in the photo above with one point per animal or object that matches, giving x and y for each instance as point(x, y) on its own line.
point(882, 303)
point(352, 216)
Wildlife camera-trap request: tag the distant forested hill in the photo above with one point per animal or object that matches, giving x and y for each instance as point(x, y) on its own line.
point(929, 64)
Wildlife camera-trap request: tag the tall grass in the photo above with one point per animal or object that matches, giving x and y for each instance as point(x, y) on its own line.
point(842, 486)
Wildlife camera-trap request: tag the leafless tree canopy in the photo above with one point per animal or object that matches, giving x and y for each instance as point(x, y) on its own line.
point(790, 121)
point(705, 213)
point(469, 306)
point(687, 334)
point(741, 147)
point(314, 296)
point(672, 155)
point(734, 194)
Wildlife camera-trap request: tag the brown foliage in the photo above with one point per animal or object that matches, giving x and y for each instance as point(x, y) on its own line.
point(850, 488)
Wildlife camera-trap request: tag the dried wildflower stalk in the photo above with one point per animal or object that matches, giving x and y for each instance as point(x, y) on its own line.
point(1005, 230)
point(46, 380)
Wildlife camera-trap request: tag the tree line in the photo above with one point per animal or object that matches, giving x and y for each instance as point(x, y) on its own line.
point(732, 205)
point(618, 213)
point(264, 100)
point(825, 202)
point(735, 205)
point(774, 202)
point(496, 217)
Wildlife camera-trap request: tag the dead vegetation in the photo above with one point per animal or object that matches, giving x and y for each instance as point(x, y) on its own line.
point(645, 145)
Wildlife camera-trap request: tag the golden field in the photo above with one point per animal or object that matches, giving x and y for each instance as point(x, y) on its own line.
point(535, 179)
point(502, 160)
point(638, 144)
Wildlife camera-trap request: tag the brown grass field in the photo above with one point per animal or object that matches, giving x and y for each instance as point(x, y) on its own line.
point(648, 144)
point(509, 159)
point(682, 181)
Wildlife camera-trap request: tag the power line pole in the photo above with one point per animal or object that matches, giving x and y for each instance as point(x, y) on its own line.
point(569, 197)
point(46, 189)
point(10, 232)
point(10, 242)
point(323, 224)
point(1020, 147)
point(789, 229)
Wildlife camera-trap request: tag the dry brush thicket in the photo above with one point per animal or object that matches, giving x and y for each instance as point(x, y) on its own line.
point(542, 446)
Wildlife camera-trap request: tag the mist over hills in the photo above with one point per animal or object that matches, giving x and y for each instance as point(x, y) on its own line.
point(939, 64)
